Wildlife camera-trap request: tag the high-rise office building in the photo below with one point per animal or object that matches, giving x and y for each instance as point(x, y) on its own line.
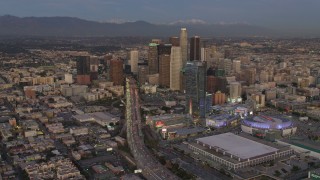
point(195, 74)
point(143, 72)
point(83, 65)
point(83, 70)
point(94, 65)
point(134, 58)
point(235, 91)
point(184, 45)
point(236, 66)
point(175, 68)
point(250, 76)
point(164, 51)
point(195, 49)
point(153, 61)
point(106, 63)
point(174, 41)
point(203, 54)
point(227, 66)
point(116, 71)
point(184, 55)
point(215, 84)
point(164, 70)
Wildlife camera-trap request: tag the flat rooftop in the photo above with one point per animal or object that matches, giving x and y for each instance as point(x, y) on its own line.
point(237, 146)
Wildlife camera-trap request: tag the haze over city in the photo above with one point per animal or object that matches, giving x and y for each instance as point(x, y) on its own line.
point(286, 15)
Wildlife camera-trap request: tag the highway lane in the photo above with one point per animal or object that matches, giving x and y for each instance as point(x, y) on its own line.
point(151, 168)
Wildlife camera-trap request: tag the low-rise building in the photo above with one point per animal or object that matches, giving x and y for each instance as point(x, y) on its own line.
point(234, 152)
point(78, 131)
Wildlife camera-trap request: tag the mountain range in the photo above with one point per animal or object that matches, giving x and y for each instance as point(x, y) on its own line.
point(74, 27)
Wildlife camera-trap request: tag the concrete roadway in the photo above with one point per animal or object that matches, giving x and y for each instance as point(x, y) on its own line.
point(151, 168)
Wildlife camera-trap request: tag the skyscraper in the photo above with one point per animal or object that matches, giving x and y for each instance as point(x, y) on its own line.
point(195, 74)
point(215, 84)
point(94, 65)
point(184, 54)
point(174, 41)
point(236, 66)
point(83, 70)
point(143, 73)
point(250, 76)
point(184, 45)
point(153, 61)
point(134, 57)
point(203, 54)
point(83, 65)
point(164, 51)
point(116, 71)
point(164, 70)
point(195, 49)
point(175, 68)
point(235, 91)
point(227, 66)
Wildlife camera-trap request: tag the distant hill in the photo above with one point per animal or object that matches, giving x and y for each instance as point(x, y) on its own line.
point(68, 26)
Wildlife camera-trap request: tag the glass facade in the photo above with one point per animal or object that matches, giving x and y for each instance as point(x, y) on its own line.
point(195, 75)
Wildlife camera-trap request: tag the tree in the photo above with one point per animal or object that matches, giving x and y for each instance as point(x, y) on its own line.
point(162, 160)
point(311, 164)
point(272, 163)
point(277, 173)
point(222, 171)
point(295, 168)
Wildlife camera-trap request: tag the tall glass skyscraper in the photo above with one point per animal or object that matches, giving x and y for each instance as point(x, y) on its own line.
point(195, 74)
point(184, 54)
point(184, 45)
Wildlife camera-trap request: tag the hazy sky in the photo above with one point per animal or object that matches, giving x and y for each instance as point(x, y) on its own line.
point(268, 13)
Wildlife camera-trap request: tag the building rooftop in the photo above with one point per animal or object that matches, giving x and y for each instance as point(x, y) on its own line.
point(236, 145)
point(168, 117)
point(186, 131)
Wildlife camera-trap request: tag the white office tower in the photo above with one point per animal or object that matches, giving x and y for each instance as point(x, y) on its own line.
point(235, 91)
point(68, 78)
point(184, 45)
point(175, 68)
point(203, 54)
point(236, 66)
point(134, 58)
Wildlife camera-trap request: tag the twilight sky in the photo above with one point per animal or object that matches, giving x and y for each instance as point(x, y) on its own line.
point(283, 14)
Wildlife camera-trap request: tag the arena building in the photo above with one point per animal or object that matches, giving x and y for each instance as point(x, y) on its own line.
point(262, 124)
point(234, 152)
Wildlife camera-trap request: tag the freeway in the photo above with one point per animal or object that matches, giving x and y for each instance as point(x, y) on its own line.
point(151, 168)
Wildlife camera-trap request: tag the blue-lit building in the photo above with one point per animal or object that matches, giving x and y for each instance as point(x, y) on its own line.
point(195, 81)
point(208, 102)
